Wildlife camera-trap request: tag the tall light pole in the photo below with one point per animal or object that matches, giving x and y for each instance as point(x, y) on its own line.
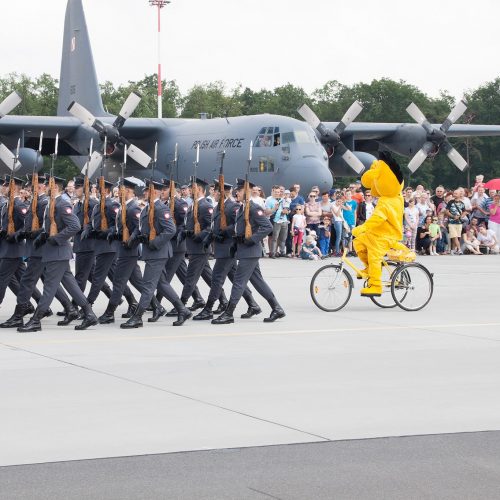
point(159, 4)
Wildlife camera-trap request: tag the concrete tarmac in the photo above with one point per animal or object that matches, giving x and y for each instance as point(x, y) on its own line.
point(362, 372)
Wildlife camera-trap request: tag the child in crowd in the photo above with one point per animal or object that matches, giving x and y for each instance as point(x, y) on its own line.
point(324, 233)
point(298, 226)
point(471, 243)
point(435, 234)
point(442, 243)
point(309, 249)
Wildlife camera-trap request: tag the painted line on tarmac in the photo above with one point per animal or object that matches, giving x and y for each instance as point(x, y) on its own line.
point(363, 329)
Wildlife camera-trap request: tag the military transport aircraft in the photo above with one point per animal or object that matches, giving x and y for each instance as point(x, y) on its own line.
point(285, 150)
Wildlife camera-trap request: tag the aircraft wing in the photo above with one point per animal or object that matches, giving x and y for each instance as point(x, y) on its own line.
point(380, 131)
point(31, 126)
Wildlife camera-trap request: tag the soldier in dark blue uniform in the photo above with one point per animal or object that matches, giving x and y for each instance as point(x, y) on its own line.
point(126, 268)
point(155, 251)
point(225, 263)
point(56, 254)
point(105, 246)
point(34, 267)
point(248, 251)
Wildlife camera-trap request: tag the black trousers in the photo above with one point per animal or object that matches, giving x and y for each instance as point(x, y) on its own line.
point(125, 269)
point(152, 272)
point(249, 270)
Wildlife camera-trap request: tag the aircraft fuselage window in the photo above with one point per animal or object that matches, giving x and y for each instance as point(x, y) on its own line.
point(268, 137)
point(266, 164)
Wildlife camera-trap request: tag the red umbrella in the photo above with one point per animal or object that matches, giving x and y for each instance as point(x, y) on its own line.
point(493, 184)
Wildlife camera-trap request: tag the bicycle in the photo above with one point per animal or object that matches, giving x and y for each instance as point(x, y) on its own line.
point(408, 285)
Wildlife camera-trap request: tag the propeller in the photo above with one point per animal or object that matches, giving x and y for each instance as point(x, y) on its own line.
point(436, 138)
point(112, 132)
point(333, 137)
point(9, 158)
point(9, 103)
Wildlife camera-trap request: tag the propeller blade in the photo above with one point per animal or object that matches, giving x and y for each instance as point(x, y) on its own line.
point(350, 115)
point(128, 108)
point(94, 163)
point(454, 115)
point(7, 157)
point(349, 157)
point(416, 114)
point(9, 103)
point(139, 156)
point(85, 116)
point(454, 156)
point(421, 156)
point(309, 116)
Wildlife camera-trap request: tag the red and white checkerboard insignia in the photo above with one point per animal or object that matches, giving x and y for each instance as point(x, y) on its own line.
point(210, 210)
point(24, 210)
point(260, 212)
point(167, 215)
point(68, 210)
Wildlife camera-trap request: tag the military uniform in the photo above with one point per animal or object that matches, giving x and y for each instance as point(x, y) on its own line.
point(248, 252)
point(154, 252)
point(225, 262)
point(56, 254)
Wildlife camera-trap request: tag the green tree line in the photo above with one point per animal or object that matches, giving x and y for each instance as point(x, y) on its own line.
point(384, 100)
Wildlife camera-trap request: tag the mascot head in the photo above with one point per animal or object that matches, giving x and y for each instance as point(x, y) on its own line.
point(384, 177)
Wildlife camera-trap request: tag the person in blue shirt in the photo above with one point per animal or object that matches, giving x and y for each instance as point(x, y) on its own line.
point(349, 211)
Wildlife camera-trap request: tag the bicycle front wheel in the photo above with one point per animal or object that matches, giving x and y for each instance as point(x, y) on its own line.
point(412, 286)
point(331, 288)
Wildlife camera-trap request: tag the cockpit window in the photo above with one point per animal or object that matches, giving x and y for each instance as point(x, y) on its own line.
point(268, 137)
point(300, 136)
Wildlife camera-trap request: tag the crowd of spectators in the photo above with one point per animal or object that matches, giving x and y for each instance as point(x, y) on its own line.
point(439, 222)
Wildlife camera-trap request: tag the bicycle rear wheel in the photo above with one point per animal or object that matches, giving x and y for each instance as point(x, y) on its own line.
point(386, 301)
point(331, 288)
point(412, 286)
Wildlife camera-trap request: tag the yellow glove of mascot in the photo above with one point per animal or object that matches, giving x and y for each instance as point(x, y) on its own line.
point(383, 230)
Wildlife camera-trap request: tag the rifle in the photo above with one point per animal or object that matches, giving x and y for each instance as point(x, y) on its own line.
point(11, 228)
point(52, 199)
point(151, 212)
point(102, 191)
point(248, 226)
point(223, 220)
point(86, 188)
point(35, 222)
point(123, 201)
point(194, 189)
point(172, 187)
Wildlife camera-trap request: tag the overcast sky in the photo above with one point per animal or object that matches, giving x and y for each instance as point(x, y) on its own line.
point(434, 44)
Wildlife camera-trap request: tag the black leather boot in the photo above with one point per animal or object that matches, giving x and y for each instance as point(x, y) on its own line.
point(48, 312)
point(130, 311)
point(71, 315)
point(33, 325)
point(16, 320)
point(136, 320)
point(226, 317)
point(183, 313)
point(90, 319)
point(206, 312)
point(31, 310)
point(223, 302)
point(197, 304)
point(277, 311)
point(253, 308)
point(109, 315)
point(174, 312)
point(158, 311)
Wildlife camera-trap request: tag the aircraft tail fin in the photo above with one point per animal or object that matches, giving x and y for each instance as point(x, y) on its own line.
point(78, 78)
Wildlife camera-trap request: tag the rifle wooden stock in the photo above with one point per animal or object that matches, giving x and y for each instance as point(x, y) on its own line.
point(86, 194)
point(52, 209)
point(172, 200)
point(11, 229)
point(248, 226)
point(102, 206)
point(197, 227)
point(223, 220)
point(123, 201)
point(35, 222)
point(151, 213)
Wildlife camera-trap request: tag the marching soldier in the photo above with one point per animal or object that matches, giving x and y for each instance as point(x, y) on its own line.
point(126, 268)
point(248, 251)
point(225, 263)
point(59, 226)
point(105, 244)
point(155, 231)
point(34, 267)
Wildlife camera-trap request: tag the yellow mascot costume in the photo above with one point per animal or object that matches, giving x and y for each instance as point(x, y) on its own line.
point(382, 232)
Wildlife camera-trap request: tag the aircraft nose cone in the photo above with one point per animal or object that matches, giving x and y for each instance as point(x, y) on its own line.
point(309, 172)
